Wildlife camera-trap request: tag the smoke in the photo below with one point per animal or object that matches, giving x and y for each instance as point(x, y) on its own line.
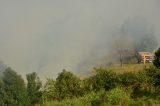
point(142, 33)
point(2, 68)
point(47, 36)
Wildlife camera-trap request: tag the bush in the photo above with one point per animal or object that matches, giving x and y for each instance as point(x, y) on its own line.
point(128, 79)
point(154, 74)
point(156, 61)
point(91, 99)
point(118, 96)
point(96, 98)
point(68, 85)
point(87, 85)
point(139, 82)
point(105, 79)
point(144, 101)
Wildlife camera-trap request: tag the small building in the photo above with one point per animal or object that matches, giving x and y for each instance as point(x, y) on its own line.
point(145, 57)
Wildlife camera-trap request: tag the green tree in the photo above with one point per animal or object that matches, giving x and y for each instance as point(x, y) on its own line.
point(15, 93)
point(87, 85)
point(68, 85)
point(49, 90)
point(2, 93)
point(33, 88)
point(154, 76)
point(105, 79)
point(156, 61)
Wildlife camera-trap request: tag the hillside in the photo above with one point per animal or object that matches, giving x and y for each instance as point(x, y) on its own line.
point(128, 67)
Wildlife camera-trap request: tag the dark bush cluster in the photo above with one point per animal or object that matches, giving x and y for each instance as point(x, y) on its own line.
point(14, 92)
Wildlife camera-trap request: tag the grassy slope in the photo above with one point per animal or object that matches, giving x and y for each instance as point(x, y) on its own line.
point(129, 67)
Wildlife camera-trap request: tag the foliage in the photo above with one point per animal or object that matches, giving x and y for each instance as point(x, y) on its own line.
point(87, 85)
point(154, 77)
point(105, 79)
point(33, 88)
point(91, 99)
point(15, 93)
point(156, 61)
point(105, 87)
point(118, 96)
point(128, 79)
point(2, 93)
point(68, 85)
point(49, 90)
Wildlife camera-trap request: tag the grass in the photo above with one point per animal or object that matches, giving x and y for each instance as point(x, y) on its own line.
point(115, 97)
point(86, 100)
point(128, 67)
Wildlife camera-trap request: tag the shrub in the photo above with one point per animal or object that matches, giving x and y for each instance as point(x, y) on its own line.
point(105, 79)
point(156, 61)
point(96, 98)
point(128, 79)
point(139, 82)
point(118, 96)
point(91, 99)
point(68, 85)
point(144, 101)
point(87, 85)
point(153, 74)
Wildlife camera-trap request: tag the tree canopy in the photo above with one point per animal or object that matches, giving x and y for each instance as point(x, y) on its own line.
point(156, 61)
point(33, 88)
point(67, 85)
point(15, 93)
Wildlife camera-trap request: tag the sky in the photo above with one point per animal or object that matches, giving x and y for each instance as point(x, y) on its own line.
point(47, 36)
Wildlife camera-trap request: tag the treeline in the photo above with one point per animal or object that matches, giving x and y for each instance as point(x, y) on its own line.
point(104, 88)
point(15, 92)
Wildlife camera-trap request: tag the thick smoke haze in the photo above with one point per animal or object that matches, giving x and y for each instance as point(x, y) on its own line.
point(47, 36)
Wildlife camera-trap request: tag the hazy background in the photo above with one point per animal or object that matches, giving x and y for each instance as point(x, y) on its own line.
point(47, 36)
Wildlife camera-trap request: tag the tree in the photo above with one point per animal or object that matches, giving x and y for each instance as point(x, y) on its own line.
point(2, 93)
point(15, 93)
point(49, 90)
point(105, 79)
point(156, 61)
point(153, 73)
point(33, 88)
point(67, 85)
point(122, 48)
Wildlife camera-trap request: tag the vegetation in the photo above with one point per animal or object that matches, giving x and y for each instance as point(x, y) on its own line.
point(67, 85)
point(33, 88)
point(13, 89)
point(156, 61)
point(105, 87)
